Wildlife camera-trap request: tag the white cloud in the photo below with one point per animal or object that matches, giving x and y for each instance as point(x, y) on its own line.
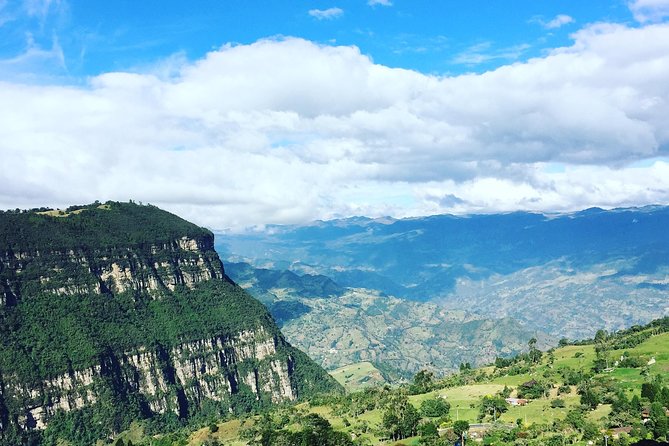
point(578, 187)
point(287, 131)
point(326, 14)
point(484, 52)
point(558, 22)
point(43, 9)
point(649, 10)
point(35, 59)
point(379, 2)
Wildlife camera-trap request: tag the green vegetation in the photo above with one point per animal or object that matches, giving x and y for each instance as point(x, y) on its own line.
point(358, 376)
point(294, 429)
point(113, 224)
point(64, 332)
point(472, 403)
point(59, 318)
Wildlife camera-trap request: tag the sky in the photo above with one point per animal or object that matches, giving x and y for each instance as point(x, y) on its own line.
point(235, 114)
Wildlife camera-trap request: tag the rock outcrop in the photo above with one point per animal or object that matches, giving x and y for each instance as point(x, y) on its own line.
point(155, 326)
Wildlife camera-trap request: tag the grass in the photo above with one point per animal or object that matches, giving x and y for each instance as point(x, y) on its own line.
point(567, 356)
point(512, 380)
point(134, 433)
point(62, 213)
point(227, 434)
point(357, 376)
point(540, 410)
point(465, 400)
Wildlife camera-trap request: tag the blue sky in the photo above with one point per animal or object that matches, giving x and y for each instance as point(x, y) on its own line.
point(242, 113)
point(444, 37)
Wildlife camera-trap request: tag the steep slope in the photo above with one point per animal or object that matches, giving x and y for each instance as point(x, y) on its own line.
point(337, 327)
point(601, 259)
point(114, 312)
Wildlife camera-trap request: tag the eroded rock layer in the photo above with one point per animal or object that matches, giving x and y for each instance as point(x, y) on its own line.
point(122, 311)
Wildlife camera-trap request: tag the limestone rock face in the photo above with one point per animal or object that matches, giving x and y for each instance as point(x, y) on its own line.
point(184, 261)
point(152, 324)
point(174, 380)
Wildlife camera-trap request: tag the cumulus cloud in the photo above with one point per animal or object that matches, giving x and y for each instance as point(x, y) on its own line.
point(326, 14)
point(379, 2)
point(649, 10)
point(558, 22)
point(286, 130)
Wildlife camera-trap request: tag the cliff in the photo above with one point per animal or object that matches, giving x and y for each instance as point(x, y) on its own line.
point(116, 312)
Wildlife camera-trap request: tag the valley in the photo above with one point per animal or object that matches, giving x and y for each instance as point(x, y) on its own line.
point(122, 326)
point(337, 326)
point(568, 400)
point(559, 274)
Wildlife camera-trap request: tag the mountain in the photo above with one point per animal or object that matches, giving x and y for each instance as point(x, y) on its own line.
point(116, 312)
point(338, 326)
point(597, 268)
point(608, 390)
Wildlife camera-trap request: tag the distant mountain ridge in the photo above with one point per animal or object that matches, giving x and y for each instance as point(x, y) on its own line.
point(615, 256)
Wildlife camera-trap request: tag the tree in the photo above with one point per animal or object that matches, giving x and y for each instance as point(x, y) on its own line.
point(652, 390)
point(461, 427)
point(601, 336)
point(428, 431)
point(505, 392)
point(435, 408)
point(492, 406)
point(534, 355)
point(575, 419)
point(590, 430)
point(557, 403)
point(532, 389)
point(555, 440)
point(657, 422)
point(400, 418)
point(664, 396)
point(589, 398)
point(423, 382)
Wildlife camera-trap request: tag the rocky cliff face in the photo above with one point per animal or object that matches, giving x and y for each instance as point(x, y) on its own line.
point(155, 327)
point(158, 267)
point(177, 380)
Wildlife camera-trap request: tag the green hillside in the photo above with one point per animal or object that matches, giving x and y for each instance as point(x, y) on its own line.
point(570, 400)
point(120, 312)
point(357, 376)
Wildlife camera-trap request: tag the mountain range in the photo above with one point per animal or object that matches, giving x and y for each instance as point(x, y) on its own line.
point(338, 326)
point(560, 273)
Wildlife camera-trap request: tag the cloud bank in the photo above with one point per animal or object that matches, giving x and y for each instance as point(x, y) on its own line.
point(649, 10)
point(286, 130)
